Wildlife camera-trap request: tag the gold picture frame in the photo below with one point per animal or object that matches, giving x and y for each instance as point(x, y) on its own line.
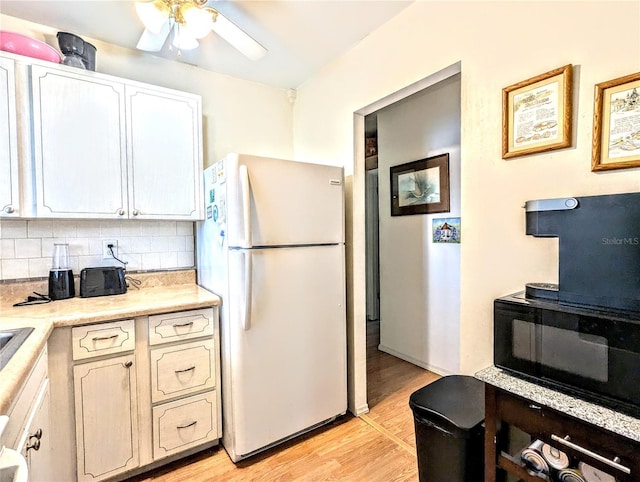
point(616, 124)
point(537, 113)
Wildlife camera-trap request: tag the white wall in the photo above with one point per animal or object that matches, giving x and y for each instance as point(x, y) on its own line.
point(498, 44)
point(238, 116)
point(419, 279)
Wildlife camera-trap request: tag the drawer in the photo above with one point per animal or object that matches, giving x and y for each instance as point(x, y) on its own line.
point(102, 339)
point(182, 369)
point(183, 325)
point(184, 423)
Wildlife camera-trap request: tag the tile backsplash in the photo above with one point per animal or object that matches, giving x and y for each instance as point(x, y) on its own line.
point(26, 246)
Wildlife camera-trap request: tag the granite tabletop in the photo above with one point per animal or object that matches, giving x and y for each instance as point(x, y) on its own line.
point(597, 415)
point(156, 295)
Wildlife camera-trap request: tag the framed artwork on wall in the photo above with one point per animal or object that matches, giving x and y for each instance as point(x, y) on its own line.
point(420, 187)
point(446, 230)
point(537, 113)
point(616, 124)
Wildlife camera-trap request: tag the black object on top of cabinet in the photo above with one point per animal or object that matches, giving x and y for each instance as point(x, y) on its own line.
point(599, 237)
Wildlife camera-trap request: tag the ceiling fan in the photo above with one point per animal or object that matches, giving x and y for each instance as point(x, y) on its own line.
point(186, 21)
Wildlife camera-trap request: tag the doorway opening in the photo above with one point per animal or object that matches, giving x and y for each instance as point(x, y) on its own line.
point(383, 145)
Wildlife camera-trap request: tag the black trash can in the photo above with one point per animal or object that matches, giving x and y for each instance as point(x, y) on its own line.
point(449, 420)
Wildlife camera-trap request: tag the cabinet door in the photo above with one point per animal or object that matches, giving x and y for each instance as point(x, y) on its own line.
point(9, 200)
point(106, 417)
point(79, 145)
point(37, 446)
point(164, 153)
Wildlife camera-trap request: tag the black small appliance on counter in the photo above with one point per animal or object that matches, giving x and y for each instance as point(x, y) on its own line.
point(583, 334)
point(61, 282)
point(102, 281)
point(599, 239)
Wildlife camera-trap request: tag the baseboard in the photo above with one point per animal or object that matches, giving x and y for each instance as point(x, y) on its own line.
point(361, 410)
point(415, 361)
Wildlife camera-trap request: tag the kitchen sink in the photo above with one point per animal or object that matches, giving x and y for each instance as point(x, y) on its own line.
point(10, 341)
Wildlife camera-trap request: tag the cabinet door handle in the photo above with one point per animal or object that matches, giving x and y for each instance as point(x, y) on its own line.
point(135, 212)
point(102, 338)
point(9, 210)
point(37, 435)
point(188, 425)
point(182, 325)
point(611, 463)
point(186, 369)
point(120, 212)
point(35, 445)
point(128, 364)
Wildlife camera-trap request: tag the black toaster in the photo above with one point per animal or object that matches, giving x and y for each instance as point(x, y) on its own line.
point(104, 281)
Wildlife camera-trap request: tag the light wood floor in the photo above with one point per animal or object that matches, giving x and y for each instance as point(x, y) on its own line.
point(378, 446)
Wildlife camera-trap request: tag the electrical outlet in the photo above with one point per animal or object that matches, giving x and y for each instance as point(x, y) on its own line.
point(106, 252)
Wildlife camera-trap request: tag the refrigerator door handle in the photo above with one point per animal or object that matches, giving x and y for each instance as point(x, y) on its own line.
point(245, 190)
point(248, 282)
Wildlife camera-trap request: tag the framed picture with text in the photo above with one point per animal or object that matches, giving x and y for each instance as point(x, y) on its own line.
point(616, 124)
point(537, 113)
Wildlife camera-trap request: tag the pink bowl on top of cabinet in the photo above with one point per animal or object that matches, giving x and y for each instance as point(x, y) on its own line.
point(22, 45)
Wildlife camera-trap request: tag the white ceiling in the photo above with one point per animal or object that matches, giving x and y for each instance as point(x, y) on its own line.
point(301, 36)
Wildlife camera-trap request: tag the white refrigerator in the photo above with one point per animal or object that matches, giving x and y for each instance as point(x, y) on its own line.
point(272, 248)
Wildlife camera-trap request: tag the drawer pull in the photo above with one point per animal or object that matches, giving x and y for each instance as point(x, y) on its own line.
point(182, 325)
point(186, 369)
point(35, 445)
point(611, 463)
point(533, 406)
point(102, 338)
point(188, 425)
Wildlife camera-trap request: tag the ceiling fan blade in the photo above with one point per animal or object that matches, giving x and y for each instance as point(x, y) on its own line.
point(153, 42)
point(238, 38)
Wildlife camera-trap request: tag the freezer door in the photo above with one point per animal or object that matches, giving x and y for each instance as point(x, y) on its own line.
point(272, 202)
point(286, 358)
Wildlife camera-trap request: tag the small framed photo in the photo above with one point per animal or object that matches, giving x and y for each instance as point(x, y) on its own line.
point(616, 124)
point(536, 113)
point(446, 230)
point(420, 187)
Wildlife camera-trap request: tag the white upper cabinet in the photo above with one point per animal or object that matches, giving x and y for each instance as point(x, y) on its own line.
point(79, 145)
point(105, 147)
point(9, 191)
point(164, 153)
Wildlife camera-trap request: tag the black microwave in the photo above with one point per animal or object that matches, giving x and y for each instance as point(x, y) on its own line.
point(591, 353)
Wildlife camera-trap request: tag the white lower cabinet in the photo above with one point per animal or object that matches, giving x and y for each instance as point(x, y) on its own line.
point(28, 430)
point(36, 444)
point(185, 380)
point(132, 394)
point(106, 417)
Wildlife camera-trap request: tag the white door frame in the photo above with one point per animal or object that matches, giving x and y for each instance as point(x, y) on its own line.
point(356, 260)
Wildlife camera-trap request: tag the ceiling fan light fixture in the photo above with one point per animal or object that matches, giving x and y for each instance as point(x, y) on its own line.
point(186, 21)
point(153, 14)
point(182, 38)
point(198, 21)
